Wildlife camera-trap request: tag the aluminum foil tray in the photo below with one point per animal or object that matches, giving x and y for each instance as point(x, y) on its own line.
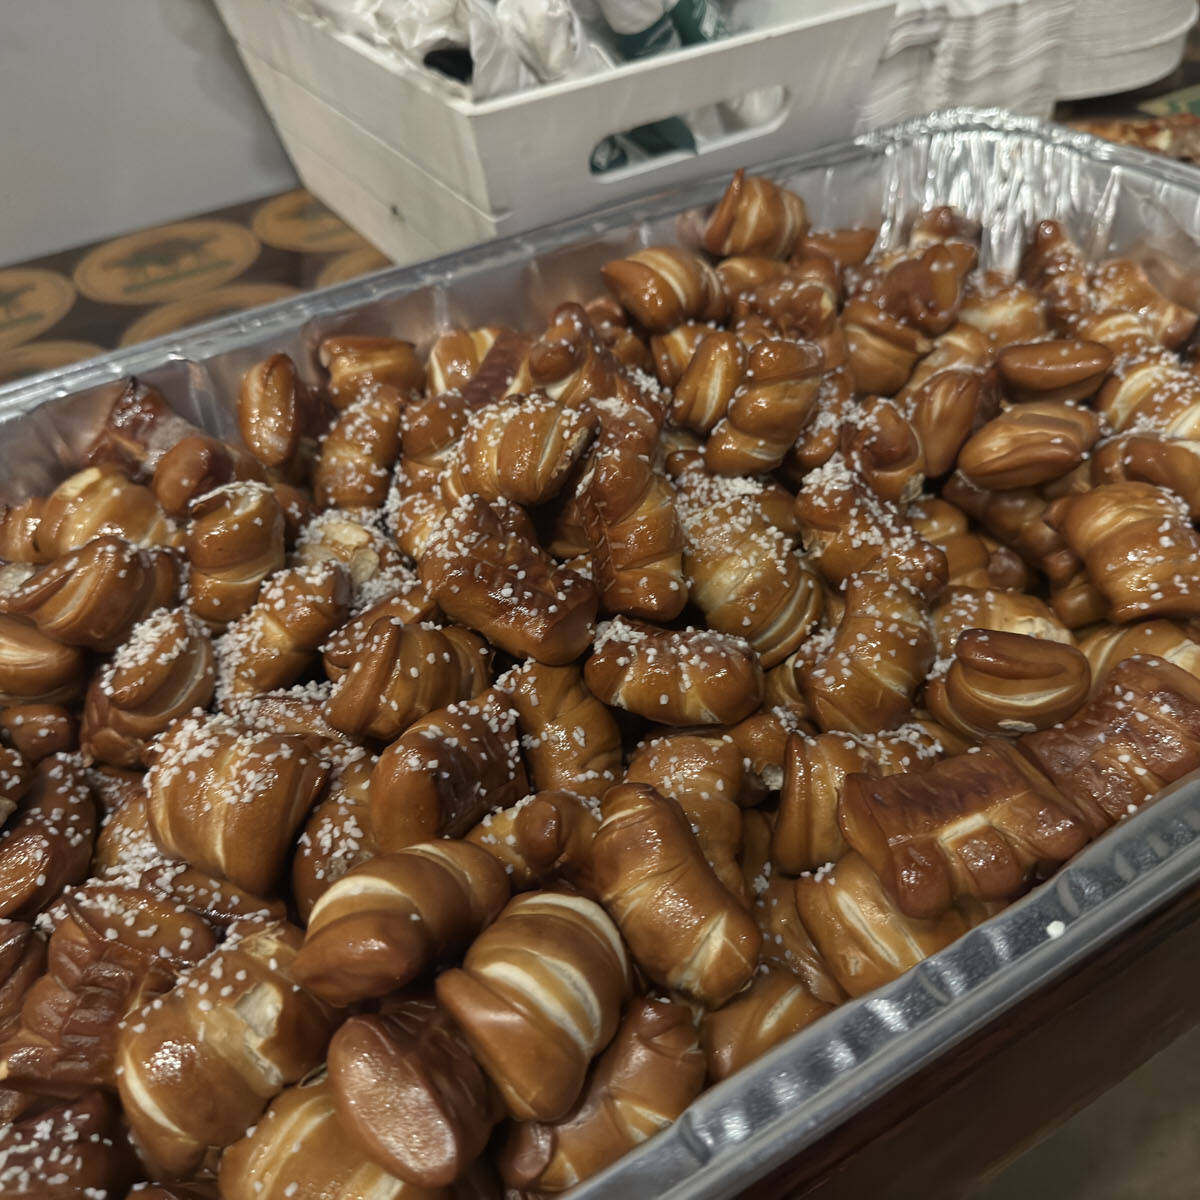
point(1007, 172)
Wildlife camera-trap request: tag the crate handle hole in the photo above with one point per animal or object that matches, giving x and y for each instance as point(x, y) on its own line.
point(656, 144)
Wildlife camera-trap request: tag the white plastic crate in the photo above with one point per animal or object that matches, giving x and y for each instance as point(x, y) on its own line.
point(458, 171)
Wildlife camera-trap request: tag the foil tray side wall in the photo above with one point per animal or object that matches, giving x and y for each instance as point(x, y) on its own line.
point(1008, 173)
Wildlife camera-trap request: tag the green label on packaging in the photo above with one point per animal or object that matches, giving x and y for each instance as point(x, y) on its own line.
point(1186, 100)
point(663, 137)
point(698, 21)
point(657, 39)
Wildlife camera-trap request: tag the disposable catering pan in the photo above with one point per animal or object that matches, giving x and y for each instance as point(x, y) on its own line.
point(1006, 172)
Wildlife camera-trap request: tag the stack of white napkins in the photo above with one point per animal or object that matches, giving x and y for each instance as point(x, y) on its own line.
point(1117, 45)
point(982, 52)
point(900, 86)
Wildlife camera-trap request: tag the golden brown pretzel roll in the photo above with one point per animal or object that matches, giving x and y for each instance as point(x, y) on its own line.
point(1110, 529)
point(882, 350)
point(1003, 684)
point(884, 449)
point(74, 1148)
point(234, 541)
point(1053, 371)
point(35, 668)
point(678, 677)
point(539, 994)
point(1126, 334)
point(302, 1150)
point(388, 920)
point(196, 465)
point(128, 856)
point(972, 561)
point(297, 505)
point(409, 1092)
point(197, 1068)
point(397, 673)
point(1139, 732)
point(276, 410)
point(228, 799)
point(963, 351)
point(774, 1006)
point(401, 597)
point(446, 770)
point(972, 825)
point(569, 362)
point(430, 429)
point(22, 963)
point(276, 641)
point(338, 835)
point(650, 1073)
point(353, 538)
point(570, 739)
point(543, 838)
point(767, 410)
point(125, 845)
point(218, 901)
point(18, 531)
point(139, 427)
point(806, 833)
point(1054, 265)
point(356, 455)
point(1170, 463)
point(707, 777)
point(712, 366)
point(1029, 445)
point(786, 941)
point(1124, 285)
point(113, 950)
point(846, 247)
point(47, 842)
point(611, 323)
point(298, 710)
point(863, 937)
point(1006, 310)
point(94, 596)
point(800, 305)
point(160, 674)
point(359, 363)
point(521, 449)
point(922, 287)
point(456, 356)
point(846, 529)
point(414, 510)
point(626, 510)
point(1106, 645)
point(683, 927)
point(944, 410)
point(497, 580)
point(755, 216)
point(99, 501)
point(1016, 519)
point(1150, 390)
point(673, 352)
point(960, 609)
point(762, 739)
point(16, 776)
point(743, 572)
point(876, 659)
point(663, 286)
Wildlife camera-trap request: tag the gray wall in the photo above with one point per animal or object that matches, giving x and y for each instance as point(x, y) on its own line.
point(116, 114)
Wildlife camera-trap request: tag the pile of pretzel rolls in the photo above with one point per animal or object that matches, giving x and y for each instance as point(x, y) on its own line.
point(430, 794)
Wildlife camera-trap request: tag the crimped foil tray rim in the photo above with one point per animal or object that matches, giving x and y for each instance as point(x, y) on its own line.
point(807, 1087)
